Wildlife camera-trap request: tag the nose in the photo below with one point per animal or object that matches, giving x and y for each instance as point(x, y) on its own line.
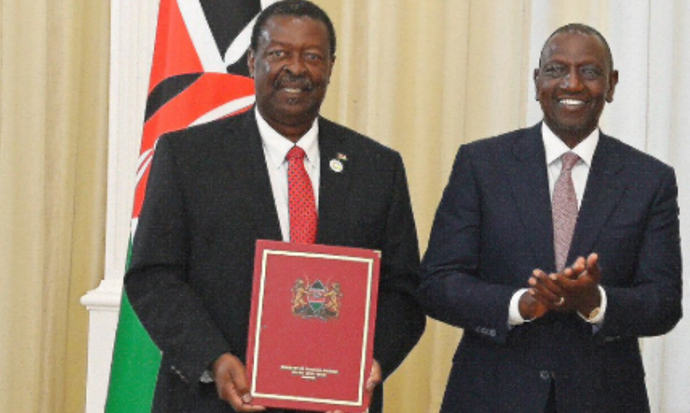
point(296, 65)
point(572, 81)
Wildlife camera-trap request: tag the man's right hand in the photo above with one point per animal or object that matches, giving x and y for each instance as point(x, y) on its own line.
point(231, 383)
point(530, 308)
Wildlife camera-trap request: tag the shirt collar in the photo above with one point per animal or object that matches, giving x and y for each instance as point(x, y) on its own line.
point(277, 146)
point(555, 147)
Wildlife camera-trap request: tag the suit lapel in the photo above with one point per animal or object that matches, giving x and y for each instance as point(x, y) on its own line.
point(246, 154)
point(602, 194)
point(530, 187)
point(334, 183)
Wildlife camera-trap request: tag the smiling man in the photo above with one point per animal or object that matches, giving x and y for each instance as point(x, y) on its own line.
point(217, 188)
point(555, 248)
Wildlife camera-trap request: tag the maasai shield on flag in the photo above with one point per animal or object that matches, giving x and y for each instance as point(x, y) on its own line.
point(199, 73)
point(317, 297)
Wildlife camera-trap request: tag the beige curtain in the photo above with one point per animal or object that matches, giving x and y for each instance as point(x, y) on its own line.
point(53, 135)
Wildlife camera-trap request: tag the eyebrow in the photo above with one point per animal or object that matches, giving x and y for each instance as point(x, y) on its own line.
point(287, 43)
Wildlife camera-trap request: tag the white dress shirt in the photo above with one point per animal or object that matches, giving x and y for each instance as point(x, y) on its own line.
point(276, 147)
point(555, 148)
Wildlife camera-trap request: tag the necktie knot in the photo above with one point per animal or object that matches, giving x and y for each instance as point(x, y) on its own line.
point(298, 153)
point(569, 159)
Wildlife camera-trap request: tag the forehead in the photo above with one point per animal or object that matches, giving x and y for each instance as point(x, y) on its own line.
point(301, 30)
point(576, 47)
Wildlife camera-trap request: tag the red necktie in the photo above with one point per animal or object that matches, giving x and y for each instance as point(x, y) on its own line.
point(564, 208)
point(302, 207)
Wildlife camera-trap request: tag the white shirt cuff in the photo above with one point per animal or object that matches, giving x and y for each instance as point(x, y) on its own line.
point(514, 317)
point(598, 320)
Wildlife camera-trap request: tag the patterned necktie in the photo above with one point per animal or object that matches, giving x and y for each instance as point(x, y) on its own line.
point(302, 207)
point(564, 209)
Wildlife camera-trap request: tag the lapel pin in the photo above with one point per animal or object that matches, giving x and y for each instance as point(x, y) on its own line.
point(341, 157)
point(336, 165)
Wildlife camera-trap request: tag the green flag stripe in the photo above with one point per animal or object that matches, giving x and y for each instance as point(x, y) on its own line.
point(135, 364)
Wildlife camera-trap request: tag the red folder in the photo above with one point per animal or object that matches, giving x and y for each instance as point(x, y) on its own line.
point(311, 331)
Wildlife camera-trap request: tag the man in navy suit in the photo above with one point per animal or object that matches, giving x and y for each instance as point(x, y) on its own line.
point(551, 323)
point(217, 188)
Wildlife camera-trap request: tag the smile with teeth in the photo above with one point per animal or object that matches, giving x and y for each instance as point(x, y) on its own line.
point(292, 90)
point(571, 102)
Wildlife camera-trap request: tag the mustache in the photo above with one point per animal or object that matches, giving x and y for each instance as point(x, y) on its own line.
point(288, 79)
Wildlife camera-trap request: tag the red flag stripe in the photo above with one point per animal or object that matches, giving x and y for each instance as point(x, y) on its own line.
point(174, 53)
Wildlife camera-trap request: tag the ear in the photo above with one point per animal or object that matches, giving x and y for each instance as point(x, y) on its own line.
point(613, 81)
point(330, 70)
point(535, 77)
point(251, 58)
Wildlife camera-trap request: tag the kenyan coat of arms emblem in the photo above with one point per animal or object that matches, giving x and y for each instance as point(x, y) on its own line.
point(316, 300)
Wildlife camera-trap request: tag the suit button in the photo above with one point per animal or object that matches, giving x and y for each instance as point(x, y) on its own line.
point(545, 375)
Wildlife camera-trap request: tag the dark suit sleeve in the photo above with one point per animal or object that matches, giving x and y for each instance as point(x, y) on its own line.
point(452, 289)
point(400, 321)
point(652, 304)
point(155, 282)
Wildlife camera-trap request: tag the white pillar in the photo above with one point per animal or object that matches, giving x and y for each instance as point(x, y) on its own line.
point(132, 35)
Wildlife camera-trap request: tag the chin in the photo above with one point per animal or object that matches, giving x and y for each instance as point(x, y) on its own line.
point(579, 130)
point(297, 117)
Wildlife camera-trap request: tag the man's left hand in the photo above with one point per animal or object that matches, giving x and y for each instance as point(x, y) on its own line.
point(373, 381)
point(374, 378)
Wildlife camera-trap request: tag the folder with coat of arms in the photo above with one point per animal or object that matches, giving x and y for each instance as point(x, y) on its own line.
point(312, 323)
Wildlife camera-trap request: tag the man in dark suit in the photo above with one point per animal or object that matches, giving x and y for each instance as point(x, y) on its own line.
point(217, 188)
point(541, 336)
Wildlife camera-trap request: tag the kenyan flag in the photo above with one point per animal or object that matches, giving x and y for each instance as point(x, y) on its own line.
point(199, 73)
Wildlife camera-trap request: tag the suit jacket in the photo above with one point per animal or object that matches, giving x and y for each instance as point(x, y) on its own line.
point(209, 199)
point(493, 227)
